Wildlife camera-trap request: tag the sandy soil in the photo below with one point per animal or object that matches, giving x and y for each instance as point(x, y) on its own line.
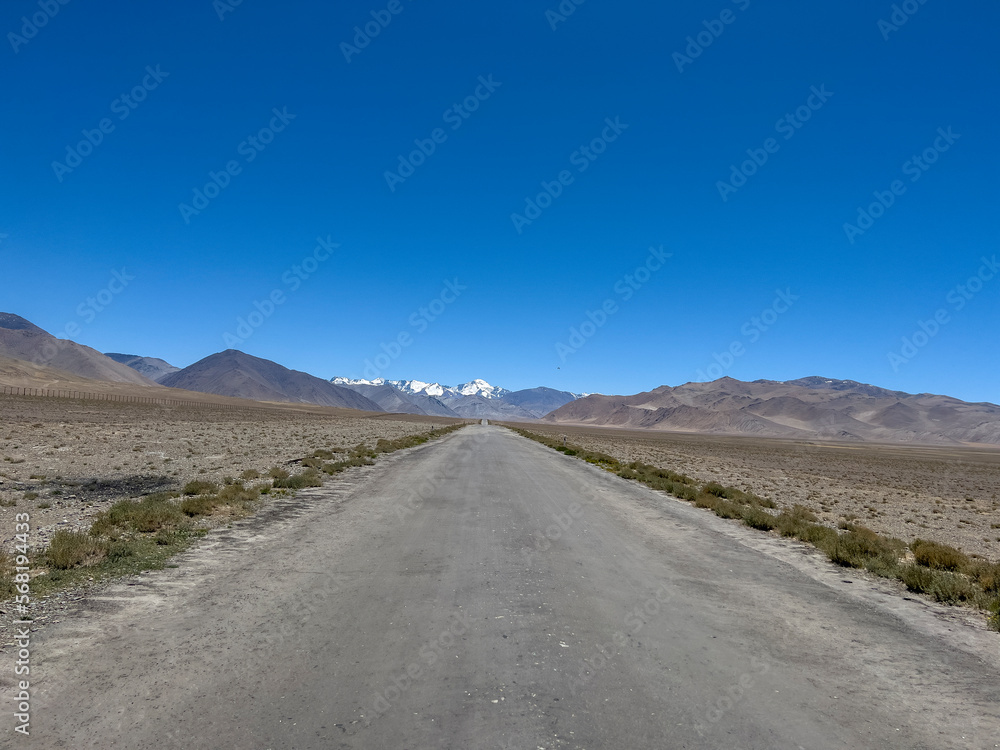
point(946, 494)
point(79, 457)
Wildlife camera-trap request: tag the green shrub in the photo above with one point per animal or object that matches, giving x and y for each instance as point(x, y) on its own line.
point(7, 583)
point(736, 495)
point(239, 496)
point(917, 578)
point(822, 537)
point(649, 472)
point(714, 488)
point(164, 537)
point(802, 513)
point(704, 500)
point(120, 550)
point(279, 472)
point(338, 466)
point(942, 585)
point(726, 509)
point(308, 478)
point(860, 547)
point(759, 519)
point(200, 505)
point(986, 575)
point(938, 556)
point(70, 549)
point(362, 450)
point(200, 487)
point(788, 524)
point(993, 623)
point(152, 513)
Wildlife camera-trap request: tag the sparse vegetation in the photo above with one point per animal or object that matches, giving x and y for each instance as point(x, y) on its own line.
point(151, 514)
point(308, 478)
point(70, 549)
point(994, 620)
point(938, 556)
point(200, 487)
point(7, 572)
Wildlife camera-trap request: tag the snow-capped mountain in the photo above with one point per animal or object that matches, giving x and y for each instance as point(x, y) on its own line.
point(473, 400)
point(419, 386)
point(481, 388)
point(445, 392)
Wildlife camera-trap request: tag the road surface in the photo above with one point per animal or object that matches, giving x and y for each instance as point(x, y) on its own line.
point(483, 591)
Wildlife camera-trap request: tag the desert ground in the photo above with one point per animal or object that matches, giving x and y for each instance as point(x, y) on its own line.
point(63, 460)
point(945, 494)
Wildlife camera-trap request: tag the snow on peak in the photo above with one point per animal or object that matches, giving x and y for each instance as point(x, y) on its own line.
point(479, 387)
point(417, 386)
point(349, 381)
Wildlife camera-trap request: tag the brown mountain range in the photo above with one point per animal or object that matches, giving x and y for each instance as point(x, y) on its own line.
point(23, 340)
point(808, 408)
point(234, 373)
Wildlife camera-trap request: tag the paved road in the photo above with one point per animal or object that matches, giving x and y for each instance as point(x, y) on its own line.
point(483, 591)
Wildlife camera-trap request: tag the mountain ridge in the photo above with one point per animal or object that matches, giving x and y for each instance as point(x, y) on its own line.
point(235, 373)
point(153, 368)
point(805, 408)
point(22, 340)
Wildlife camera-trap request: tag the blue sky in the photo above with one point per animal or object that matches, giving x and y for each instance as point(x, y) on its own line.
point(743, 136)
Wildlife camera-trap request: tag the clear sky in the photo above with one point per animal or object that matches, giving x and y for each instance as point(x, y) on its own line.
point(377, 183)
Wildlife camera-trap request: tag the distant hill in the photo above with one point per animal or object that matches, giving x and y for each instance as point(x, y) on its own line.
point(538, 401)
point(234, 373)
point(480, 407)
point(808, 408)
point(393, 400)
point(153, 368)
point(21, 374)
point(23, 340)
